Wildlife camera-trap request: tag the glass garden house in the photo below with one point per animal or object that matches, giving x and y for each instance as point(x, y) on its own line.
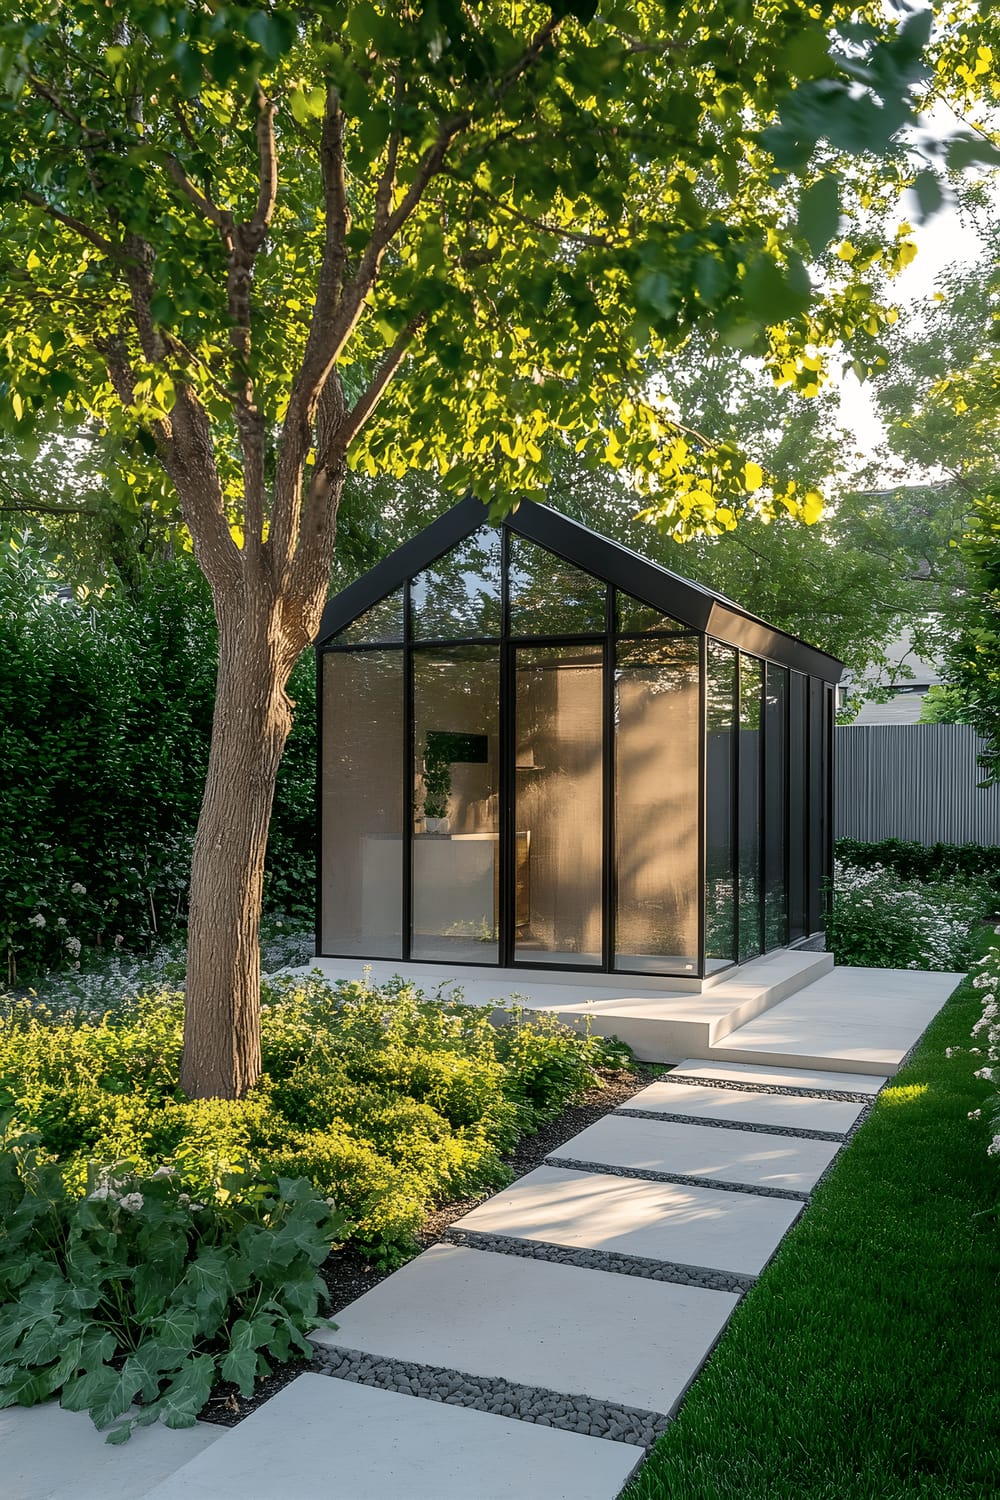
point(539, 749)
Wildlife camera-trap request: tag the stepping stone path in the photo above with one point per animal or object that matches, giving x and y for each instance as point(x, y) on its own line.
point(541, 1348)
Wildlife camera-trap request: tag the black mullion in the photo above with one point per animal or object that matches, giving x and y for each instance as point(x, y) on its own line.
point(507, 829)
point(762, 739)
point(408, 776)
point(609, 870)
point(702, 800)
point(320, 855)
point(737, 787)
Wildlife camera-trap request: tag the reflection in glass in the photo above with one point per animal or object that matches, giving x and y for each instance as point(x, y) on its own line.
point(636, 618)
point(817, 803)
point(459, 596)
point(656, 806)
point(558, 805)
point(551, 597)
point(380, 625)
point(798, 925)
point(775, 718)
point(751, 686)
point(362, 803)
point(456, 864)
point(720, 773)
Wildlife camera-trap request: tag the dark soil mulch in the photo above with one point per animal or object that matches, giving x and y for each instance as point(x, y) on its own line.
point(348, 1275)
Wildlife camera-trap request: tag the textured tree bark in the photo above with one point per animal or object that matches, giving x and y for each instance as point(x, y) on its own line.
point(251, 723)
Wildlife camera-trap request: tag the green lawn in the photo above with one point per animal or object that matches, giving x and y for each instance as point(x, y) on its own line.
point(866, 1361)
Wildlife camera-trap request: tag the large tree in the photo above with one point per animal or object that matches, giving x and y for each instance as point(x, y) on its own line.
point(229, 233)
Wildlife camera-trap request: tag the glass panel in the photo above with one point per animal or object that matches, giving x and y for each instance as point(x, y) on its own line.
point(636, 618)
point(551, 597)
point(362, 803)
point(817, 804)
point(720, 774)
point(775, 775)
point(459, 596)
point(380, 625)
point(751, 681)
point(559, 804)
point(656, 806)
point(456, 865)
point(797, 838)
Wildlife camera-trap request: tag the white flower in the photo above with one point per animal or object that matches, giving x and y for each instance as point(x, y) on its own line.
point(949, 1052)
point(982, 981)
point(102, 1192)
point(975, 1114)
point(61, 922)
point(993, 1149)
point(164, 1172)
point(132, 1202)
point(77, 889)
point(73, 947)
point(37, 920)
point(184, 1200)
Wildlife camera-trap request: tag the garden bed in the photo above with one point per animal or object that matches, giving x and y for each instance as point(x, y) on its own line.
point(159, 1251)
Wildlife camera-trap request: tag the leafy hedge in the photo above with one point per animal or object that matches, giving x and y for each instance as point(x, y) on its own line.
point(151, 1245)
point(925, 862)
point(105, 715)
point(879, 920)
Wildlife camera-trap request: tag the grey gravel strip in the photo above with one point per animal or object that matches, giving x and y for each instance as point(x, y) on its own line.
point(503, 1398)
point(843, 1095)
point(799, 1135)
point(603, 1260)
point(684, 1178)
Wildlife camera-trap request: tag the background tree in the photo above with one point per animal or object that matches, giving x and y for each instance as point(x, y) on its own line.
point(228, 235)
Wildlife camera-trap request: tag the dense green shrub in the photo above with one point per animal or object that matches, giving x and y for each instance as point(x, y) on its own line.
point(927, 862)
point(879, 920)
point(105, 716)
point(384, 1100)
point(132, 1291)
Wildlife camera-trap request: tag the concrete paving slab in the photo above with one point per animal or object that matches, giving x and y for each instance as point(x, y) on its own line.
point(739, 1106)
point(333, 1440)
point(759, 1160)
point(779, 1077)
point(855, 1020)
point(50, 1454)
point(665, 1221)
point(615, 1338)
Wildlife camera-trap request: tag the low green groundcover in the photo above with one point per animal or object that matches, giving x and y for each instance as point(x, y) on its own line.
point(150, 1245)
point(863, 1364)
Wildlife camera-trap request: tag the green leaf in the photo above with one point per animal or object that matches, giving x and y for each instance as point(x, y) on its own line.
point(929, 194)
point(819, 213)
point(187, 1392)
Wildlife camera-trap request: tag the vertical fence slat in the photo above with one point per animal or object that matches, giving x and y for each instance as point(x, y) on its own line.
point(913, 781)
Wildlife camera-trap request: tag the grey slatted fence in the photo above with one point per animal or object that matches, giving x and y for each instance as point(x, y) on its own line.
point(912, 781)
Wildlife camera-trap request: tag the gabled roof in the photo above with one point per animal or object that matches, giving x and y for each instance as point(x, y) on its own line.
point(689, 603)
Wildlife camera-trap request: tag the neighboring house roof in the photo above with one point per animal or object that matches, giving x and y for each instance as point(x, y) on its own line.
point(689, 603)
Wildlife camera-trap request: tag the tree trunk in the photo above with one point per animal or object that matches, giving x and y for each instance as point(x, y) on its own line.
point(250, 725)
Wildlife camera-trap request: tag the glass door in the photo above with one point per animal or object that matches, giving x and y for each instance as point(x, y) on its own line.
point(558, 805)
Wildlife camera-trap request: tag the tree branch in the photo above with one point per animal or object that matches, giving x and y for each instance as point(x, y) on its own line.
point(201, 201)
point(106, 246)
point(362, 409)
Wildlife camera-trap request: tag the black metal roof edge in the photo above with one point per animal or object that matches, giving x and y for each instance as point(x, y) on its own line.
point(691, 603)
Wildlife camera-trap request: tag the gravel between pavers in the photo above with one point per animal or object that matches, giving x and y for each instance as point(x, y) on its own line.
point(754, 1129)
point(603, 1260)
point(686, 1179)
point(844, 1096)
point(502, 1398)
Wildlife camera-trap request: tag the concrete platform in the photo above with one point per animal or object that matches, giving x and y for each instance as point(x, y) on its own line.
point(50, 1454)
point(850, 1020)
point(623, 1339)
point(746, 1073)
point(758, 1160)
point(663, 1221)
point(333, 1440)
point(660, 1019)
point(736, 1106)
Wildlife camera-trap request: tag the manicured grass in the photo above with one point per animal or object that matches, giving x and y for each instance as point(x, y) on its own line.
point(865, 1364)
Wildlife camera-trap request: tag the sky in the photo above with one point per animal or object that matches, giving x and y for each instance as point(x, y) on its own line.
point(944, 241)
